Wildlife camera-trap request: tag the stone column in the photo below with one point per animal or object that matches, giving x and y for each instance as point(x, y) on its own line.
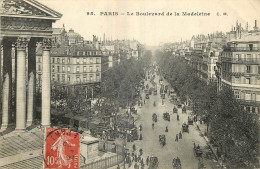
point(21, 45)
point(46, 82)
point(7, 82)
point(31, 81)
point(1, 71)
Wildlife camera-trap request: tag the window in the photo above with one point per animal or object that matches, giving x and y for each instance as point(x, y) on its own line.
point(84, 78)
point(247, 96)
point(68, 78)
point(39, 67)
point(63, 77)
point(97, 77)
point(258, 69)
point(91, 60)
point(84, 53)
point(39, 59)
point(53, 68)
point(68, 68)
point(58, 68)
point(248, 57)
point(77, 69)
point(215, 68)
point(63, 68)
point(90, 68)
point(250, 47)
point(58, 60)
point(77, 79)
point(53, 60)
point(237, 94)
point(84, 60)
point(248, 81)
point(58, 77)
point(248, 69)
point(63, 60)
point(77, 53)
point(84, 69)
point(53, 77)
point(68, 60)
point(98, 60)
point(91, 78)
point(97, 68)
point(237, 80)
point(77, 60)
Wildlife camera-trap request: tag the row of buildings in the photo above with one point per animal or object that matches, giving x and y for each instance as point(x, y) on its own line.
point(230, 59)
point(78, 62)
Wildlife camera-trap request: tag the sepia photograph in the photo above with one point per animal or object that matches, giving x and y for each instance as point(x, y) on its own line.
point(129, 84)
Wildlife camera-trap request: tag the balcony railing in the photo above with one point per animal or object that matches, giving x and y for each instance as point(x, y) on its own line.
point(242, 49)
point(240, 60)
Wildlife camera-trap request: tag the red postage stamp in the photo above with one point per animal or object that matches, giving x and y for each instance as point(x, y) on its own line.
point(62, 148)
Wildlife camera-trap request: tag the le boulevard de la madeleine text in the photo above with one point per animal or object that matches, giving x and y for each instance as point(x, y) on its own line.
point(149, 13)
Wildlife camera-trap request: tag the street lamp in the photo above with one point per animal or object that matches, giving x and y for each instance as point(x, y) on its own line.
point(124, 155)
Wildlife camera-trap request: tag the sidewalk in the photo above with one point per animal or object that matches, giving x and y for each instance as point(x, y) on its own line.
point(203, 130)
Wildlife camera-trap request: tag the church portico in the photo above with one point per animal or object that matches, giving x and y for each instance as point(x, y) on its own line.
point(24, 24)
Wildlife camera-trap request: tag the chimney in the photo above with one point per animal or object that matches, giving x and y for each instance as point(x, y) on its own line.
point(256, 24)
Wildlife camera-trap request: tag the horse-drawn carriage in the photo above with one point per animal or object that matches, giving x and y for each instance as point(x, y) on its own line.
point(197, 150)
point(153, 163)
point(154, 117)
point(185, 127)
point(175, 110)
point(176, 163)
point(162, 139)
point(166, 116)
point(190, 120)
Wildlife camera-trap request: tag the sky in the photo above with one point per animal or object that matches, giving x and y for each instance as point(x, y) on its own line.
point(153, 30)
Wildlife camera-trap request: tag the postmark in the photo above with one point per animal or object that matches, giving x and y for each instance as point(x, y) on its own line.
point(62, 148)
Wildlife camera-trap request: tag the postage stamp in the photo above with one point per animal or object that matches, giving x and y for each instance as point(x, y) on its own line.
point(62, 148)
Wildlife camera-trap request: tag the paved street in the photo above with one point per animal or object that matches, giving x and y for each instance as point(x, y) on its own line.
point(150, 143)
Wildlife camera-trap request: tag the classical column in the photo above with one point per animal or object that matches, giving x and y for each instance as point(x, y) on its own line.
point(31, 81)
point(46, 82)
point(1, 71)
point(21, 45)
point(6, 60)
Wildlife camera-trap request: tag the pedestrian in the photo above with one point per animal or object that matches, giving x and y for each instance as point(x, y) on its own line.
point(135, 166)
point(176, 139)
point(180, 135)
point(141, 151)
point(135, 158)
point(104, 147)
point(147, 161)
point(142, 161)
point(218, 153)
point(118, 167)
point(133, 147)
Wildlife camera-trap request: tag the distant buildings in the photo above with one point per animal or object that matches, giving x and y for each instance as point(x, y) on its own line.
point(239, 66)
point(76, 62)
point(73, 62)
point(203, 53)
point(231, 59)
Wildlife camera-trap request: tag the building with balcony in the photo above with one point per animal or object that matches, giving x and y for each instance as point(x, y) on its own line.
point(203, 54)
point(239, 67)
point(72, 66)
